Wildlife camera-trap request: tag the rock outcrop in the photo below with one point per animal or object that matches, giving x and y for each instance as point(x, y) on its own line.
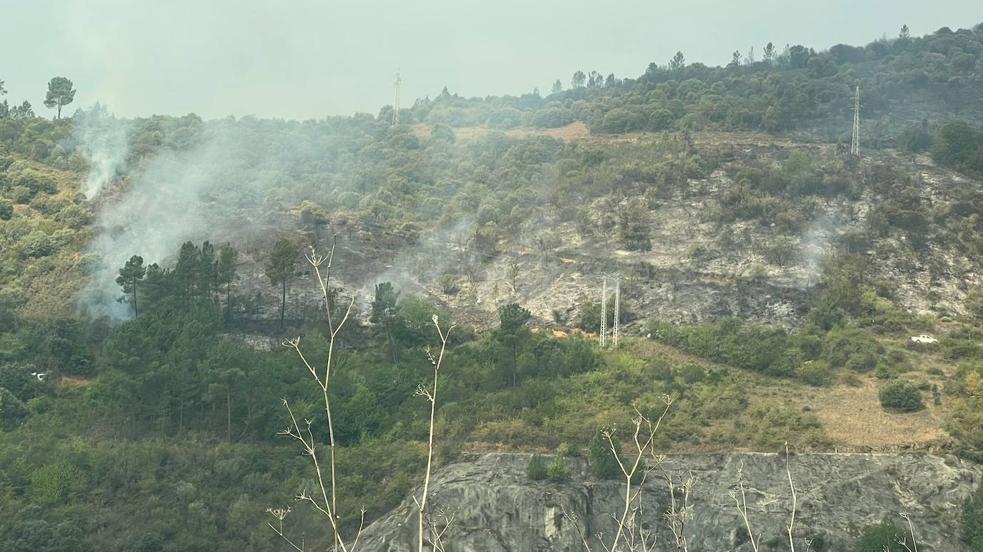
point(496, 508)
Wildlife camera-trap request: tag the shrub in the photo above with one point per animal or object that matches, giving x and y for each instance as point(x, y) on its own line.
point(603, 464)
point(12, 410)
point(841, 344)
point(558, 472)
point(881, 537)
point(901, 395)
point(36, 182)
point(6, 209)
point(21, 194)
point(536, 470)
point(861, 362)
point(816, 372)
point(972, 522)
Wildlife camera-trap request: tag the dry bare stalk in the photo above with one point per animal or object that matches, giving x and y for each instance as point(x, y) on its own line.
point(327, 505)
point(437, 531)
point(791, 485)
point(911, 529)
point(742, 507)
point(642, 447)
point(677, 516)
point(573, 519)
point(431, 395)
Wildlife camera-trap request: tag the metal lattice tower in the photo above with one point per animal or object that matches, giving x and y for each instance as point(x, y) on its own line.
point(617, 312)
point(396, 99)
point(604, 312)
point(855, 144)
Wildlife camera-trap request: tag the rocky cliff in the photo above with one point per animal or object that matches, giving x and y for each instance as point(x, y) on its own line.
point(495, 508)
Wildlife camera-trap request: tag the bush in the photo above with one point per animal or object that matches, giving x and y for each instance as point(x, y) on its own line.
point(972, 523)
point(36, 182)
point(21, 194)
point(841, 344)
point(861, 362)
point(881, 537)
point(816, 372)
point(603, 464)
point(558, 472)
point(12, 410)
point(901, 395)
point(536, 470)
point(6, 209)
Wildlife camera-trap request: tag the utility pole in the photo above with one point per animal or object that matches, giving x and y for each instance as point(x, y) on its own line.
point(604, 311)
point(396, 99)
point(617, 310)
point(855, 144)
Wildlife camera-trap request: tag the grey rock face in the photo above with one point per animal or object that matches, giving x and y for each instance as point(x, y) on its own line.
point(495, 507)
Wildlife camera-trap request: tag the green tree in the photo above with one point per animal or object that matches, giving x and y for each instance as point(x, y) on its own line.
point(603, 463)
point(187, 271)
point(129, 277)
point(972, 522)
point(280, 268)
point(6, 209)
point(578, 80)
point(633, 226)
point(512, 329)
point(60, 93)
point(12, 410)
point(225, 273)
point(226, 367)
point(385, 313)
point(536, 470)
point(557, 87)
point(22, 111)
point(677, 62)
point(769, 53)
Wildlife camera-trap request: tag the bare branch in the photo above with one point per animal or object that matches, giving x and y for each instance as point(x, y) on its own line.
point(911, 530)
point(742, 507)
point(431, 395)
point(791, 522)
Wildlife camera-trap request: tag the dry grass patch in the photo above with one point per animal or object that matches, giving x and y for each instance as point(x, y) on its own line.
point(854, 419)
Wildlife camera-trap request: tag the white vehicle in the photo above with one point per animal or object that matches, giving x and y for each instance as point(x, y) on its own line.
point(924, 339)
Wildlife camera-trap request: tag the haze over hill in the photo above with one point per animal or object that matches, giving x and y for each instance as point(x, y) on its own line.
point(166, 311)
point(335, 58)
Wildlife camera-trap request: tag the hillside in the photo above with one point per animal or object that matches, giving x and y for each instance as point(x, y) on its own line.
point(770, 282)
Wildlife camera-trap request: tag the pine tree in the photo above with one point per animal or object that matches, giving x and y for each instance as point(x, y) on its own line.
point(129, 277)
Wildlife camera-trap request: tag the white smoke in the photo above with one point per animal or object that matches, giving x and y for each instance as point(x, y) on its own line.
point(816, 243)
point(174, 197)
point(104, 142)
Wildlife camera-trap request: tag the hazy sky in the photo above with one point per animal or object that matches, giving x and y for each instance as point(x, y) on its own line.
point(308, 59)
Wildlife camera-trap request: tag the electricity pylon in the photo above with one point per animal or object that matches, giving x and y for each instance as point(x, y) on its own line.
point(855, 144)
point(396, 99)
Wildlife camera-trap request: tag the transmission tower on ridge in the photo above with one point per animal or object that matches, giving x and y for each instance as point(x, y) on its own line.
point(617, 310)
point(604, 311)
point(855, 144)
point(396, 99)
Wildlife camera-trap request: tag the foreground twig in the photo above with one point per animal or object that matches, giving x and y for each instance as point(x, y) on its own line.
point(327, 503)
point(431, 395)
